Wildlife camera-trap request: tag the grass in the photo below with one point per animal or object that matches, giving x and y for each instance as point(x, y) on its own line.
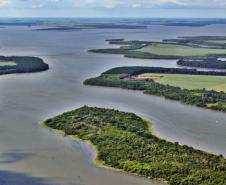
point(8, 63)
point(217, 41)
point(179, 50)
point(217, 83)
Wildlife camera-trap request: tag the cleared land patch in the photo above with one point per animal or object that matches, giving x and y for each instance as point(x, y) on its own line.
point(8, 63)
point(217, 83)
point(179, 50)
point(218, 41)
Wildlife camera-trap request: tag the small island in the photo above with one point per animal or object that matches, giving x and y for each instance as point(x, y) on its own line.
point(206, 89)
point(21, 64)
point(124, 141)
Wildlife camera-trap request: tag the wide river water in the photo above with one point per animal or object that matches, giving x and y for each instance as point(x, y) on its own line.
point(35, 156)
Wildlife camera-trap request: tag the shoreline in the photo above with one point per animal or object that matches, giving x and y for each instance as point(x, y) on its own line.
point(95, 151)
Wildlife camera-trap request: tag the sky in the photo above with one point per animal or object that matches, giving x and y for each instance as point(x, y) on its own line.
point(113, 8)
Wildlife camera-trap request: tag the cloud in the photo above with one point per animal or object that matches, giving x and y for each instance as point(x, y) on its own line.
point(113, 8)
point(36, 6)
point(121, 3)
point(136, 5)
point(4, 2)
point(151, 3)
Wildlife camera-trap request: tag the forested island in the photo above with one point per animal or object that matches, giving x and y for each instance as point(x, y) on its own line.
point(124, 141)
point(127, 78)
point(21, 64)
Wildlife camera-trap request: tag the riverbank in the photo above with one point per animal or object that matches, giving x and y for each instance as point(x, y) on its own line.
point(95, 154)
point(95, 158)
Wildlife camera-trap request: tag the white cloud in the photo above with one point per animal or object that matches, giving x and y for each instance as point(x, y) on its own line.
point(151, 3)
point(124, 3)
point(4, 2)
point(36, 6)
point(136, 5)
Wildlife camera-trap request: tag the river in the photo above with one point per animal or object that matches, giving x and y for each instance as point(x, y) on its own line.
point(35, 156)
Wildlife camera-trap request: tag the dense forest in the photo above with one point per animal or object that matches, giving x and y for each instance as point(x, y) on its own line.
point(121, 77)
point(123, 141)
point(136, 70)
point(23, 65)
point(206, 62)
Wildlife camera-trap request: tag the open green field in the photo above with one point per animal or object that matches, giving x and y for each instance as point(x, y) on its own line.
point(8, 63)
point(217, 83)
point(218, 41)
point(179, 50)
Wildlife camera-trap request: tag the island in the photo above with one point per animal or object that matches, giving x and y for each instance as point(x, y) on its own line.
point(124, 141)
point(202, 51)
point(206, 89)
point(21, 64)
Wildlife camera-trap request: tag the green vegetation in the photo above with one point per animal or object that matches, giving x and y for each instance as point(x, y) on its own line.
point(72, 26)
point(200, 41)
point(125, 77)
point(136, 70)
point(15, 64)
point(8, 63)
point(218, 41)
point(194, 22)
point(202, 46)
point(179, 50)
point(123, 141)
point(202, 62)
point(217, 83)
